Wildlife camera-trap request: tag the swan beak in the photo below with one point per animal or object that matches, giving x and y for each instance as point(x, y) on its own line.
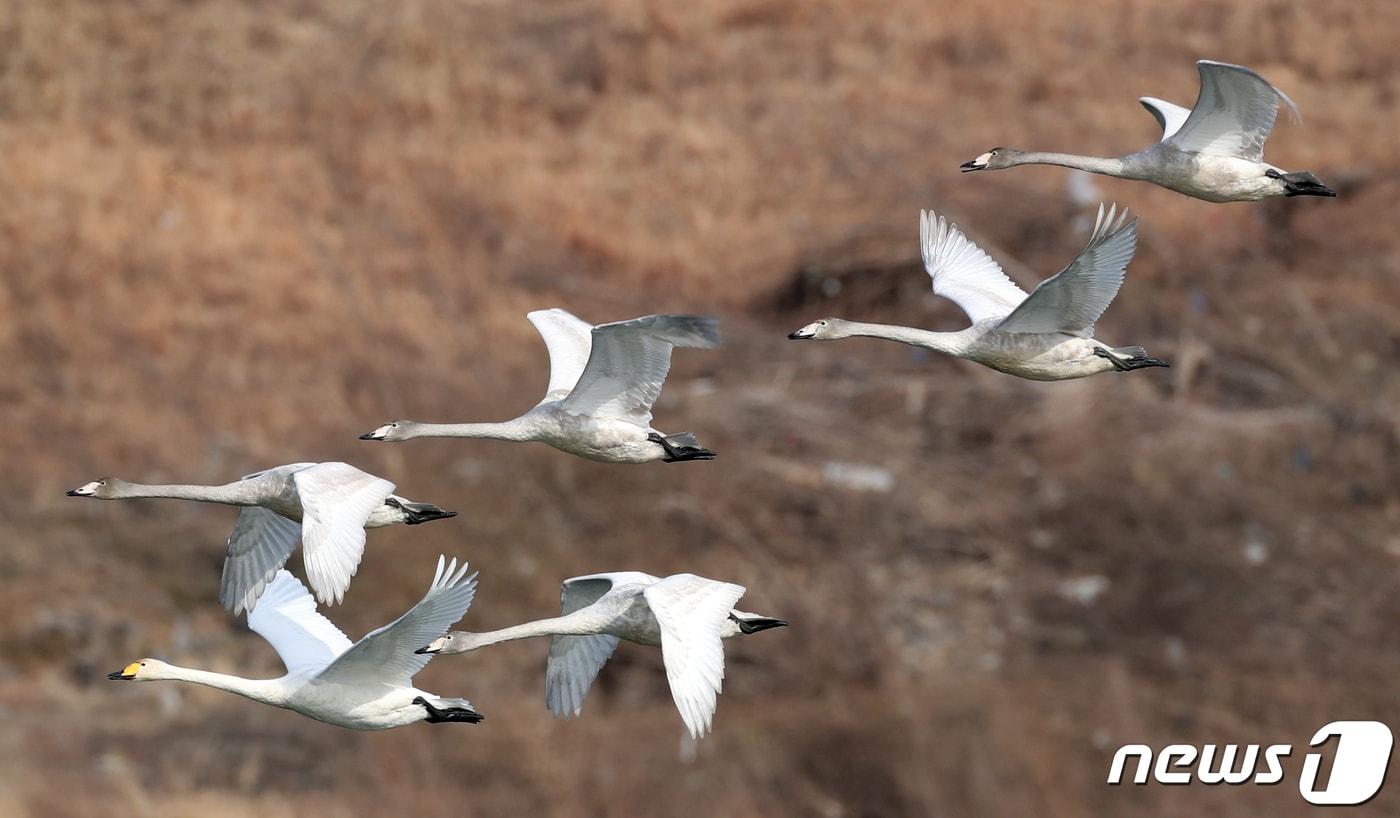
point(972, 165)
point(377, 434)
point(85, 490)
point(433, 647)
point(126, 674)
point(799, 334)
point(74, 493)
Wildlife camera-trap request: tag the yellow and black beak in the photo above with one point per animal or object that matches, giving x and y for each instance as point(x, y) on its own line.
point(125, 674)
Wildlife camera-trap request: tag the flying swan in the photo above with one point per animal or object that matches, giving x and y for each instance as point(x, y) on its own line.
point(1215, 151)
point(685, 615)
point(327, 505)
point(602, 383)
point(1044, 336)
point(364, 686)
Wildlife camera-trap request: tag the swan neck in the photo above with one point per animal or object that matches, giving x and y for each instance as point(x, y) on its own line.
point(267, 691)
point(1092, 164)
point(949, 343)
point(464, 641)
point(230, 493)
point(509, 430)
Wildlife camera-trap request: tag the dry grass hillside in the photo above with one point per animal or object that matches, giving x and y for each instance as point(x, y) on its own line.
point(240, 234)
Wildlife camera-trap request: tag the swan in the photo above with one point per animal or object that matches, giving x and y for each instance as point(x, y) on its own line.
point(364, 686)
point(684, 614)
point(1214, 151)
point(1044, 336)
point(602, 383)
point(327, 505)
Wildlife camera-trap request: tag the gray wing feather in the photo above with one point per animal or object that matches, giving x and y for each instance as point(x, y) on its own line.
point(1074, 298)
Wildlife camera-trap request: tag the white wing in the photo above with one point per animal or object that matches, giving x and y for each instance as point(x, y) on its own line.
point(574, 661)
point(336, 500)
point(1074, 298)
point(386, 655)
point(1233, 114)
point(691, 610)
point(963, 273)
point(1168, 114)
point(629, 363)
point(259, 545)
point(569, 339)
point(286, 617)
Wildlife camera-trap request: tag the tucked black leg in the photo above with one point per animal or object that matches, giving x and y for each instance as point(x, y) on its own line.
point(1300, 183)
point(446, 714)
point(685, 451)
point(1130, 363)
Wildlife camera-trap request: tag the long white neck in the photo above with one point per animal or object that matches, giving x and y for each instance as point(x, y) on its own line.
point(949, 343)
point(1093, 164)
point(516, 429)
point(571, 625)
point(235, 494)
point(267, 691)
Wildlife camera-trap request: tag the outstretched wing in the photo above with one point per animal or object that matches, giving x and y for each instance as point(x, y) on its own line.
point(336, 500)
point(1233, 114)
point(629, 363)
point(574, 661)
point(569, 339)
point(286, 617)
point(1074, 298)
point(963, 273)
point(691, 610)
point(386, 655)
point(1168, 114)
point(259, 545)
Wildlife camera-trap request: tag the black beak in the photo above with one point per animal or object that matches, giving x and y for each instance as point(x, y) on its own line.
point(970, 165)
point(74, 493)
point(368, 436)
point(796, 335)
point(118, 676)
point(424, 650)
point(759, 623)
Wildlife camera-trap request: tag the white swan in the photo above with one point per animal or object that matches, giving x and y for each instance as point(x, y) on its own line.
point(364, 686)
point(327, 505)
point(602, 383)
point(1046, 336)
point(685, 615)
point(1215, 151)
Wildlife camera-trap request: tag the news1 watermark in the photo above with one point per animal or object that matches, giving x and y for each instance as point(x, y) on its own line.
point(1359, 761)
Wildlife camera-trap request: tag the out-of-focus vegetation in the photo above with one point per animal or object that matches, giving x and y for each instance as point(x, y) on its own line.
point(239, 234)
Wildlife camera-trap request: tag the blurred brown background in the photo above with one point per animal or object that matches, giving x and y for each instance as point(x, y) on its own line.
point(234, 235)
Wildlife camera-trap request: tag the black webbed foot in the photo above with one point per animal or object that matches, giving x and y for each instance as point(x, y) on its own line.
point(1128, 364)
point(438, 715)
point(687, 450)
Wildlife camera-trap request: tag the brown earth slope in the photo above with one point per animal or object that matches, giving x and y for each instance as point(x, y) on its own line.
point(240, 234)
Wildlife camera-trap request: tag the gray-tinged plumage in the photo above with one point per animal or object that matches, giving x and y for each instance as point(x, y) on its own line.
point(1045, 336)
point(1213, 152)
point(327, 506)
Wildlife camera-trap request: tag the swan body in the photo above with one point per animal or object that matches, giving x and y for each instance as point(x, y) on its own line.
point(603, 381)
point(685, 615)
point(327, 506)
point(1213, 151)
point(1044, 336)
point(364, 686)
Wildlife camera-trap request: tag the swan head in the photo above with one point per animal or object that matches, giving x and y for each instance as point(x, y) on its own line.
point(106, 488)
point(391, 432)
point(825, 329)
point(454, 642)
point(142, 670)
point(994, 159)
